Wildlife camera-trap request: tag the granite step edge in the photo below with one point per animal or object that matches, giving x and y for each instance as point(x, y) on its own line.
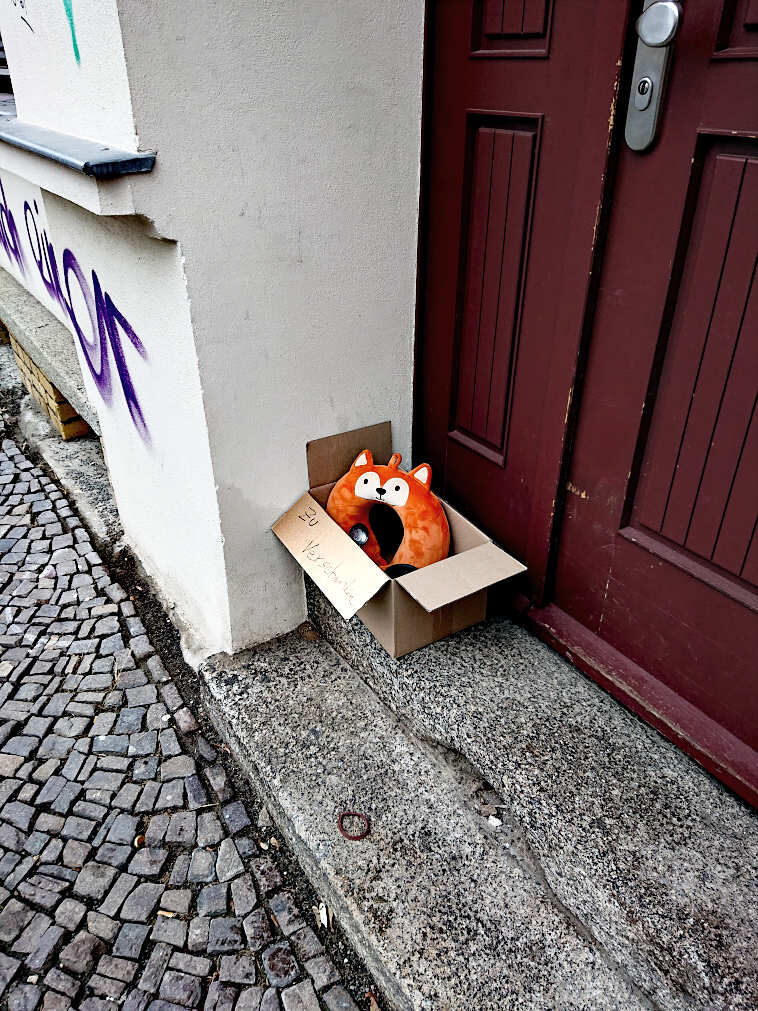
point(231, 732)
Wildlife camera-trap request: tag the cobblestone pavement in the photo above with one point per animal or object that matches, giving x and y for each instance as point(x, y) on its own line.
point(130, 876)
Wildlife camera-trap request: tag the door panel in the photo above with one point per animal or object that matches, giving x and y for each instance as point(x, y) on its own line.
point(738, 25)
point(516, 147)
point(502, 178)
point(511, 27)
point(705, 401)
point(657, 554)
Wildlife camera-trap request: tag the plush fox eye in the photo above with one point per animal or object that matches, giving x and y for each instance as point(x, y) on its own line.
point(396, 492)
point(366, 485)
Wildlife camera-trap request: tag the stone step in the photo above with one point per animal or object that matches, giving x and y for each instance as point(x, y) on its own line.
point(444, 899)
point(655, 857)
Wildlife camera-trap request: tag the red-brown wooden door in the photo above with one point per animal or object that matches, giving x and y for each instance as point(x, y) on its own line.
point(653, 576)
point(518, 101)
point(658, 548)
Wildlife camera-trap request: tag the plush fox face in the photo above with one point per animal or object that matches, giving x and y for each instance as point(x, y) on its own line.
point(392, 514)
point(384, 484)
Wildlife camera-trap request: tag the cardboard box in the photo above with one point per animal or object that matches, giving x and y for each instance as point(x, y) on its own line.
point(412, 610)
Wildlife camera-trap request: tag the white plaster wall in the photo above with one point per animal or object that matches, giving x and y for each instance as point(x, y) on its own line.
point(78, 88)
point(161, 471)
point(288, 137)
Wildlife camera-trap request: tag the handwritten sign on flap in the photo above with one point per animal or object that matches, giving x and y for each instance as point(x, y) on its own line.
point(335, 563)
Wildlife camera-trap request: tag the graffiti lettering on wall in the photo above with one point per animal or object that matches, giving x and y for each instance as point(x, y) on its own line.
point(9, 239)
point(69, 8)
point(101, 323)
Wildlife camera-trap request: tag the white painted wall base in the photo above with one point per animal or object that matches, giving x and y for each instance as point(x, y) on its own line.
point(149, 410)
point(288, 140)
point(297, 215)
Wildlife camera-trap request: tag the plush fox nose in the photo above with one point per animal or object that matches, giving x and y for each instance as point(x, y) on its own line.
point(381, 491)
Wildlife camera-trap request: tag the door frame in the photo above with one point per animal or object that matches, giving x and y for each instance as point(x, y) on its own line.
point(678, 720)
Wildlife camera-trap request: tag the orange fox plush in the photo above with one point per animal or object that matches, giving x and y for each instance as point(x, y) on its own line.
point(392, 514)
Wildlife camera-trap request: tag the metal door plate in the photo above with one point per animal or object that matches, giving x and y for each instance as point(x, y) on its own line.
point(643, 112)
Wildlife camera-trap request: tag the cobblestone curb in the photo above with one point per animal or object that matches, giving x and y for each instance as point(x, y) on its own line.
point(130, 875)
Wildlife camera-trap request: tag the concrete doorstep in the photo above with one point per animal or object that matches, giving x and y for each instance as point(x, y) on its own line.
point(533, 845)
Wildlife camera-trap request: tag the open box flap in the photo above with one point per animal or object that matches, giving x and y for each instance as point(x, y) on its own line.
point(459, 576)
point(331, 457)
point(335, 563)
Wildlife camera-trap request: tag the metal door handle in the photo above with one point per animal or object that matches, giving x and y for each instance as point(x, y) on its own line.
point(658, 24)
point(656, 30)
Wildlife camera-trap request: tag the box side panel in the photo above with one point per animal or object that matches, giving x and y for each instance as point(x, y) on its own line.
point(378, 615)
point(459, 576)
point(469, 611)
point(344, 573)
point(415, 627)
point(329, 458)
point(463, 534)
point(321, 493)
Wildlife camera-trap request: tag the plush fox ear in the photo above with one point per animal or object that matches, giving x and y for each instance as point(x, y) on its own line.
point(423, 474)
point(365, 459)
point(395, 461)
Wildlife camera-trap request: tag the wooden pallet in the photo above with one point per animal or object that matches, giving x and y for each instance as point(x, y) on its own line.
point(5, 337)
point(63, 416)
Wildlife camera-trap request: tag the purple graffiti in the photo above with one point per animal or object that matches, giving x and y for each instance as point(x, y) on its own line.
point(104, 318)
point(95, 351)
point(44, 255)
point(9, 239)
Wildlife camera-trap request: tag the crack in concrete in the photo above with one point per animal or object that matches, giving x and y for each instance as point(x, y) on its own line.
point(519, 851)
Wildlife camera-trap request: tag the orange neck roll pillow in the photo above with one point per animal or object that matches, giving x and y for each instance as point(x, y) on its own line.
point(392, 514)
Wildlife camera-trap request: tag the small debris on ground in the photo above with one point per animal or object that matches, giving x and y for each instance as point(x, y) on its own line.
point(308, 632)
point(324, 916)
